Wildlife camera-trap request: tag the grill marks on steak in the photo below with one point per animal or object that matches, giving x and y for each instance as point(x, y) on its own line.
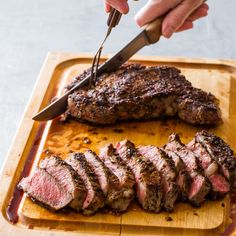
point(200, 186)
point(220, 186)
point(68, 179)
point(41, 187)
point(148, 182)
point(124, 194)
point(220, 152)
point(95, 198)
point(165, 166)
point(138, 92)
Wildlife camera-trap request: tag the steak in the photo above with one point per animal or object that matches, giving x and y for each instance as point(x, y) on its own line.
point(67, 177)
point(42, 188)
point(219, 151)
point(220, 186)
point(95, 198)
point(200, 186)
point(148, 182)
point(108, 181)
point(165, 166)
point(183, 179)
point(125, 193)
point(137, 92)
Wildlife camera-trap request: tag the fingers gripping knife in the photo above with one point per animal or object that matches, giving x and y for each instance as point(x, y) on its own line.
point(150, 34)
point(113, 21)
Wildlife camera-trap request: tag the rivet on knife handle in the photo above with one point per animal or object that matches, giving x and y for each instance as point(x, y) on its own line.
point(153, 30)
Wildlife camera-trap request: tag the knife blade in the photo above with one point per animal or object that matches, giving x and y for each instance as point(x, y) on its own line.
point(150, 35)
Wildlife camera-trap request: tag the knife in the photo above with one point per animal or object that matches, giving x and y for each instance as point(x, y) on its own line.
point(150, 34)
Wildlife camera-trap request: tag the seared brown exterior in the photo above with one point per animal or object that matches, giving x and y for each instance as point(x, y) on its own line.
point(200, 186)
point(124, 194)
point(42, 188)
point(108, 181)
point(95, 198)
point(148, 181)
point(165, 166)
point(67, 177)
point(220, 152)
point(220, 186)
point(138, 92)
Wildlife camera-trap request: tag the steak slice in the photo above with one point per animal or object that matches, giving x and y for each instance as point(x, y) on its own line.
point(165, 166)
point(124, 194)
point(220, 152)
point(95, 198)
point(200, 186)
point(67, 177)
point(183, 179)
point(148, 182)
point(220, 186)
point(42, 188)
point(108, 181)
point(138, 92)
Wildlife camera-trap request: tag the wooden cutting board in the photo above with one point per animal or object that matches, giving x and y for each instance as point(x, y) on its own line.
point(34, 140)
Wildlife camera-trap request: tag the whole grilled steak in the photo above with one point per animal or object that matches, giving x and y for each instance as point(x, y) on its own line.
point(67, 177)
point(219, 151)
point(41, 187)
point(183, 179)
point(124, 194)
point(148, 182)
point(95, 198)
point(108, 181)
point(220, 186)
point(200, 186)
point(165, 166)
point(138, 92)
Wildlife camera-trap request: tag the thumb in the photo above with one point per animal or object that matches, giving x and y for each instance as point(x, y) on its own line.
point(154, 9)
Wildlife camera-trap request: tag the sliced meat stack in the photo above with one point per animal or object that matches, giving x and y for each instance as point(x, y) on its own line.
point(200, 186)
point(219, 185)
point(44, 189)
point(157, 177)
point(124, 194)
point(148, 181)
point(165, 166)
point(183, 179)
point(95, 198)
point(220, 152)
point(68, 179)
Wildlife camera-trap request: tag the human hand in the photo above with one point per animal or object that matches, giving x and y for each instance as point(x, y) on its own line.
point(120, 5)
point(180, 16)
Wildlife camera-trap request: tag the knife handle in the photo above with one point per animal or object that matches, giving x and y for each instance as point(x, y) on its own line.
point(114, 18)
point(153, 30)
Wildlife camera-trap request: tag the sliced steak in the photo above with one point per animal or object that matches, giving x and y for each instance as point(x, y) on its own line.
point(108, 181)
point(124, 194)
point(95, 198)
point(200, 186)
point(220, 152)
point(165, 166)
point(138, 92)
point(220, 186)
point(148, 182)
point(67, 177)
point(41, 187)
point(183, 179)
